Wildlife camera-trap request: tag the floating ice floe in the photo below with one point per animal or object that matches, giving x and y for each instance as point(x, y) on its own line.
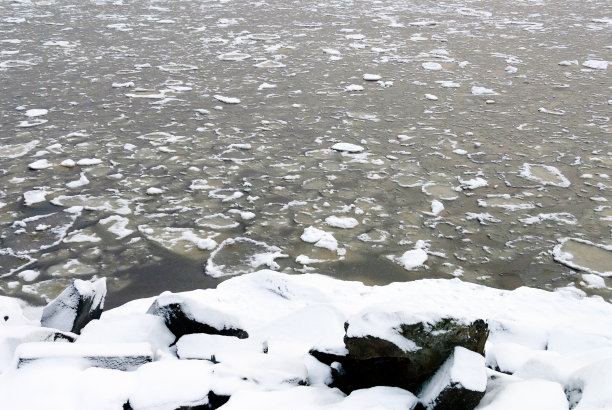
point(234, 56)
point(476, 90)
point(430, 65)
point(34, 196)
point(584, 255)
point(371, 77)
point(448, 84)
point(544, 174)
point(82, 181)
point(347, 147)
point(173, 67)
point(17, 150)
point(473, 183)
point(482, 217)
point(354, 87)
point(559, 217)
point(40, 164)
point(82, 235)
point(183, 241)
point(227, 100)
point(320, 238)
point(32, 123)
point(505, 201)
point(596, 64)
point(117, 225)
point(431, 97)
point(236, 256)
point(414, 258)
point(36, 112)
point(341, 222)
point(129, 84)
point(436, 207)
point(270, 64)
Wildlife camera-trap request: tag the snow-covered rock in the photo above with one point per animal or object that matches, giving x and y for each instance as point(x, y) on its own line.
point(551, 343)
point(119, 356)
point(459, 384)
point(397, 349)
point(78, 304)
point(184, 315)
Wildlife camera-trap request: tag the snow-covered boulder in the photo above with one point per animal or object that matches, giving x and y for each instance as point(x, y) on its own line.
point(183, 316)
point(395, 349)
point(459, 384)
point(76, 306)
point(130, 328)
point(12, 336)
point(118, 356)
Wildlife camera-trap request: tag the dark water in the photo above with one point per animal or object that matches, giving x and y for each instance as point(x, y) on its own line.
point(202, 121)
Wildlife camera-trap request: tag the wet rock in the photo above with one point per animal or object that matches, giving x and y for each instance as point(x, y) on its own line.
point(460, 383)
point(183, 316)
point(375, 361)
point(76, 306)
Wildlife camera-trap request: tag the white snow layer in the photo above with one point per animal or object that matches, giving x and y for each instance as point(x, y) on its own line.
point(553, 342)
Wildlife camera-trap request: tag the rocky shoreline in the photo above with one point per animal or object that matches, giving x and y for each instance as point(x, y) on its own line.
point(271, 340)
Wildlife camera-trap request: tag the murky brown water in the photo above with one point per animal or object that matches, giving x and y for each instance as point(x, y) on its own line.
point(142, 140)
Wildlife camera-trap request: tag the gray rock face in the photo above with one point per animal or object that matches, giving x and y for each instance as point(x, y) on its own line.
point(182, 319)
point(460, 383)
point(76, 306)
point(372, 361)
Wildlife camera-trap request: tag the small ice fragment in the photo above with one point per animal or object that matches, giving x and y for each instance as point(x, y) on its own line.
point(596, 64)
point(436, 207)
point(341, 222)
point(78, 183)
point(593, 281)
point(34, 197)
point(429, 65)
point(40, 164)
point(129, 84)
point(412, 259)
point(28, 275)
point(154, 191)
point(68, 163)
point(227, 100)
point(264, 86)
point(476, 90)
point(431, 97)
point(511, 70)
point(346, 147)
point(331, 51)
point(36, 112)
point(354, 87)
point(89, 161)
point(473, 183)
point(320, 238)
point(371, 77)
point(448, 84)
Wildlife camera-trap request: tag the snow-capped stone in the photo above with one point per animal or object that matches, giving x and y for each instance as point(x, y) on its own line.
point(78, 304)
point(183, 315)
point(460, 383)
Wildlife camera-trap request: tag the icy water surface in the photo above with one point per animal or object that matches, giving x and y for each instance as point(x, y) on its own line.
point(170, 144)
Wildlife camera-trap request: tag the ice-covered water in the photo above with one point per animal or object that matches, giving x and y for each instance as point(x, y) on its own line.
point(373, 140)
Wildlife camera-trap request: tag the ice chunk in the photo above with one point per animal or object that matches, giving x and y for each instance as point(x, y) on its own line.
point(347, 147)
point(596, 64)
point(341, 222)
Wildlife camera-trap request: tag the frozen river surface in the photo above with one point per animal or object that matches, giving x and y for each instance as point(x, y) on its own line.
point(171, 144)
